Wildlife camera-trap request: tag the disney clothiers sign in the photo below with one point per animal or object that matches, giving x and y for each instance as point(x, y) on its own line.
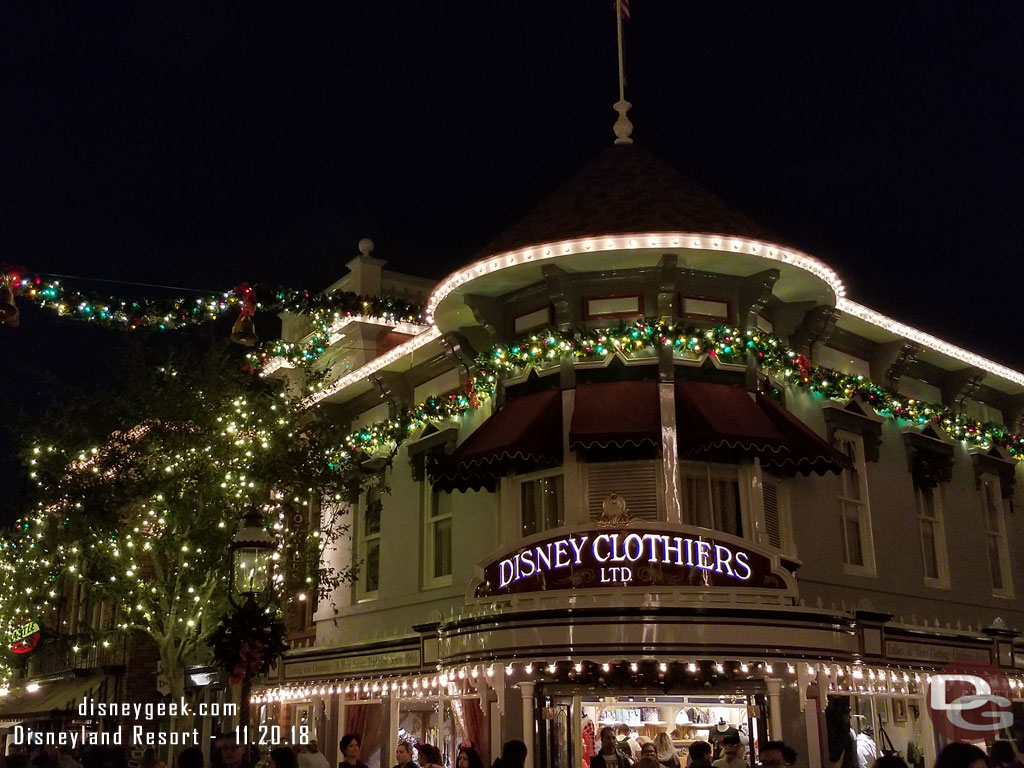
point(648, 556)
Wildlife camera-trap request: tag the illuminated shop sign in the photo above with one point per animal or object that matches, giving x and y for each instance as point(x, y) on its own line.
point(650, 558)
point(24, 638)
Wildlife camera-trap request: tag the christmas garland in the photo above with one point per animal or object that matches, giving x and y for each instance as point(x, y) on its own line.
point(249, 641)
point(322, 309)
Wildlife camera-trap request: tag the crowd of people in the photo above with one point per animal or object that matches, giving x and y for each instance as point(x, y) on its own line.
point(616, 751)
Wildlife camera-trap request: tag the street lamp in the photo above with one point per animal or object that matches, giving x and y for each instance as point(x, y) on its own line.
point(251, 551)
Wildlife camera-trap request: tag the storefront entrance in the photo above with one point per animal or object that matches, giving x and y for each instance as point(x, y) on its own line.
point(569, 726)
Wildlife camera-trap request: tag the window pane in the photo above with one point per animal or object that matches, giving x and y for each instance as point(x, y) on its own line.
point(372, 515)
point(852, 530)
point(554, 512)
point(698, 505)
point(931, 563)
point(529, 507)
point(372, 566)
point(991, 510)
point(928, 502)
point(994, 562)
point(727, 507)
point(852, 474)
point(442, 548)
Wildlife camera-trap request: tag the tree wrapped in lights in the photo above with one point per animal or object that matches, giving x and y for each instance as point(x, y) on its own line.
point(143, 521)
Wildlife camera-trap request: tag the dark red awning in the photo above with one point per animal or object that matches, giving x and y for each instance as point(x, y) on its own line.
point(616, 414)
point(525, 434)
point(717, 422)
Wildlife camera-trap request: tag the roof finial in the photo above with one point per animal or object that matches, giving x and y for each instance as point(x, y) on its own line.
point(623, 127)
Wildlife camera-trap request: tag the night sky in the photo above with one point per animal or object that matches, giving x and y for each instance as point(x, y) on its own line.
point(203, 144)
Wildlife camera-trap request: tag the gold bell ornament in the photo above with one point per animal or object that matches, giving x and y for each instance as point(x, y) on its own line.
point(244, 330)
point(8, 309)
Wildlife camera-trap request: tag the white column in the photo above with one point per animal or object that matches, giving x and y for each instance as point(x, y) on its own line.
point(774, 686)
point(394, 720)
point(669, 453)
point(572, 471)
point(526, 689)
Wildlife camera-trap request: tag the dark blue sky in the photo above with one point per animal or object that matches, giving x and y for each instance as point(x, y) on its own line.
point(202, 144)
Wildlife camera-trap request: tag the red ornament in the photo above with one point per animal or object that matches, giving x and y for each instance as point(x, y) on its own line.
point(804, 366)
point(474, 398)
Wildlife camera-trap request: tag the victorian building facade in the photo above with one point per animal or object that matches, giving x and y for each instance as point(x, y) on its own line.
point(662, 515)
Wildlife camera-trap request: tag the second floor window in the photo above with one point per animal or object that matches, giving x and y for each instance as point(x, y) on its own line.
point(438, 540)
point(995, 536)
point(369, 543)
point(854, 510)
point(711, 498)
point(542, 504)
point(933, 538)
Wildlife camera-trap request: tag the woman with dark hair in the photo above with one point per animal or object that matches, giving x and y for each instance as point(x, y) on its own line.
point(1003, 755)
point(429, 756)
point(283, 757)
point(350, 745)
point(960, 755)
point(468, 758)
point(513, 755)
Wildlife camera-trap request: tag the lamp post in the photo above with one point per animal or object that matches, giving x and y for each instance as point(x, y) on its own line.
point(251, 551)
point(250, 590)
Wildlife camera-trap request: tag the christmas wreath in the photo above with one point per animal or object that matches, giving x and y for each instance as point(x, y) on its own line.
point(249, 641)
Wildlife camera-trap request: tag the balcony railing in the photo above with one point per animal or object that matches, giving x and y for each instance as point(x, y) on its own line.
point(59, 655)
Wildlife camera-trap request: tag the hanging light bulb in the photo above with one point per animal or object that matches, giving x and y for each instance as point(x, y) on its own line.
point(691, 667)
point(605, 667)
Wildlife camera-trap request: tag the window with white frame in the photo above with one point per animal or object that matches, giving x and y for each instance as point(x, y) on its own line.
point(995, 536)
point(933, 536)
point(541, 503)
point(368, 529)
point(854, 509)
point(438, 539)
point(711, 497)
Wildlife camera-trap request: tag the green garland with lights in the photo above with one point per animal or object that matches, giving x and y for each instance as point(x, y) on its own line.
point(320, 309)
point(731, 345)
point(56, 543)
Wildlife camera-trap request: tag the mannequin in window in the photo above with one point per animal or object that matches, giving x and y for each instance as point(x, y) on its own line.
point(722, 730)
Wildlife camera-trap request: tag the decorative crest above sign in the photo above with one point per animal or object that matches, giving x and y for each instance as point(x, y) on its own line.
point(651, 556)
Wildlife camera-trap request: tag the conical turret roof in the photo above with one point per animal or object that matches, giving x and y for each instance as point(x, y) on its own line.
point(626, 190)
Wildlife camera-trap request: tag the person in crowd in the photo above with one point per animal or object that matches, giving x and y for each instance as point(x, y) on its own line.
point(666, 753)
point(231, 754)
point(312, 757)
point(66, 759)
point(403, 756)
point(733, 753)
point(513, 755)
point(960, 755)
point(789, 755)
point(351, 746)
point(151, 760)
point(468, 758)
point(772, 754)
point(192, 757)
point(647, 749)
point(890, 761)
point(627, 743)
point(612, 754)
point(700, 755)
point(430, 756)
point(646, 762)
point(282, 757)
point(1003, 755)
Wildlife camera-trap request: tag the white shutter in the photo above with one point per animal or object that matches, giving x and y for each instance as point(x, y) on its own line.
point(635, 481)
point(772, 521)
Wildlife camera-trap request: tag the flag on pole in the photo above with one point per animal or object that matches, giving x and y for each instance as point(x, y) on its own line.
point(624, 6)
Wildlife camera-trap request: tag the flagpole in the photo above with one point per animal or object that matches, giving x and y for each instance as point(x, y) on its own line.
point(622, 68)
point(623, 127)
